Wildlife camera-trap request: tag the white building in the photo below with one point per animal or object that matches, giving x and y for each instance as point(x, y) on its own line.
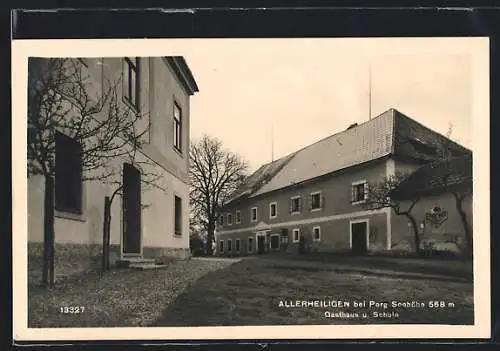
point(146, 222)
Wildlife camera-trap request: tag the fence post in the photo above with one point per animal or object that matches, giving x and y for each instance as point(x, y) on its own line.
point(105, 235)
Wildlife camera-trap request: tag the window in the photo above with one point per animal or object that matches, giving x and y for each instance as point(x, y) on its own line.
point(229, 245)
point(229, 219)
point(295, 204)
point(221, 219)
point(296, 235)
point(221, 246)
point(131, 81)
point(238, 217)
point(359, 192)
point(237, 245)
point(177, 127)
point(316, 233)
point(68, 174)
point(250, 244)
point(178, 216)
point(273, 213)
point(253, 214)
point(316, 202)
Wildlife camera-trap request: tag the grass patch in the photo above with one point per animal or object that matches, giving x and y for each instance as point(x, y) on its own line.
point(249, 293)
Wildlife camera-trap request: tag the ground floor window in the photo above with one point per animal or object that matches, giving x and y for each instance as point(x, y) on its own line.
point(296, 235)
point(316, 233)
point(229, 245)
point(250, 244)
point(221, 246)
point(237, 245)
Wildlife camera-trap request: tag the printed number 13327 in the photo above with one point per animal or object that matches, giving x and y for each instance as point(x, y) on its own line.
point(72, 309)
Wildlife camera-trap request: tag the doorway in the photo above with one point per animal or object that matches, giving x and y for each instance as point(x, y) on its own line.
point(359, 237)
point(261, 244)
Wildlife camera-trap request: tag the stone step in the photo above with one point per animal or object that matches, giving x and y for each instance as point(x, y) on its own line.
point(132, 260)
point(144, 266)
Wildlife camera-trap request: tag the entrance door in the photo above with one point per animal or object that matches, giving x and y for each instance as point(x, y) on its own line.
point(131, 210)
point(359, 234)
point(261, 244)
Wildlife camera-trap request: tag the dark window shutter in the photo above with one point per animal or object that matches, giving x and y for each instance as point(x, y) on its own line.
point(291, 206)
point(309, 202)
point(68, 174)
point(322, 201)
point(300, 204)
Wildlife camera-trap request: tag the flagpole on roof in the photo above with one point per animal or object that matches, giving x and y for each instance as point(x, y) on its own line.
point(272, 142)
point(370, 91)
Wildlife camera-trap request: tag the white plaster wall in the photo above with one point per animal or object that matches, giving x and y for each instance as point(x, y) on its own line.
point(158, 91)
point(157, 217)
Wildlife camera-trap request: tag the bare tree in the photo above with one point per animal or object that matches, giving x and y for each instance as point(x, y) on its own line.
point(457, 181)
point(215, 173)
point(377, 197)
point(60, 102)
point(444, 159)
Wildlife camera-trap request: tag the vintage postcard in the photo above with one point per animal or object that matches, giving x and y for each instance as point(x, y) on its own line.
point(193, 189)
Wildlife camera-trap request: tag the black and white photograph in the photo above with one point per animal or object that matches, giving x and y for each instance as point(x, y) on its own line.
point(305, 183)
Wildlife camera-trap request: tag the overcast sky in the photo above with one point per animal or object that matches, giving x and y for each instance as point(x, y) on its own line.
point(307, 89)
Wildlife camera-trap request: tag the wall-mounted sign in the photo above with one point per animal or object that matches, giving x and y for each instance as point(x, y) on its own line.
point(436, 216)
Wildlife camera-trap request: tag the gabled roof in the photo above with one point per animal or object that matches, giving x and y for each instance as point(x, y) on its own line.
point(436, 177)
point(391, 133)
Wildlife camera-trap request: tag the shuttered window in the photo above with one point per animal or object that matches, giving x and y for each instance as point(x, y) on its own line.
point(68, 174)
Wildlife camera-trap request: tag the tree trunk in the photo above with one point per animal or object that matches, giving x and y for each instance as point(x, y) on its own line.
point(210, 239)
point(48, 233)
point(465, 223)
point(105, 235)
point(416, 235)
